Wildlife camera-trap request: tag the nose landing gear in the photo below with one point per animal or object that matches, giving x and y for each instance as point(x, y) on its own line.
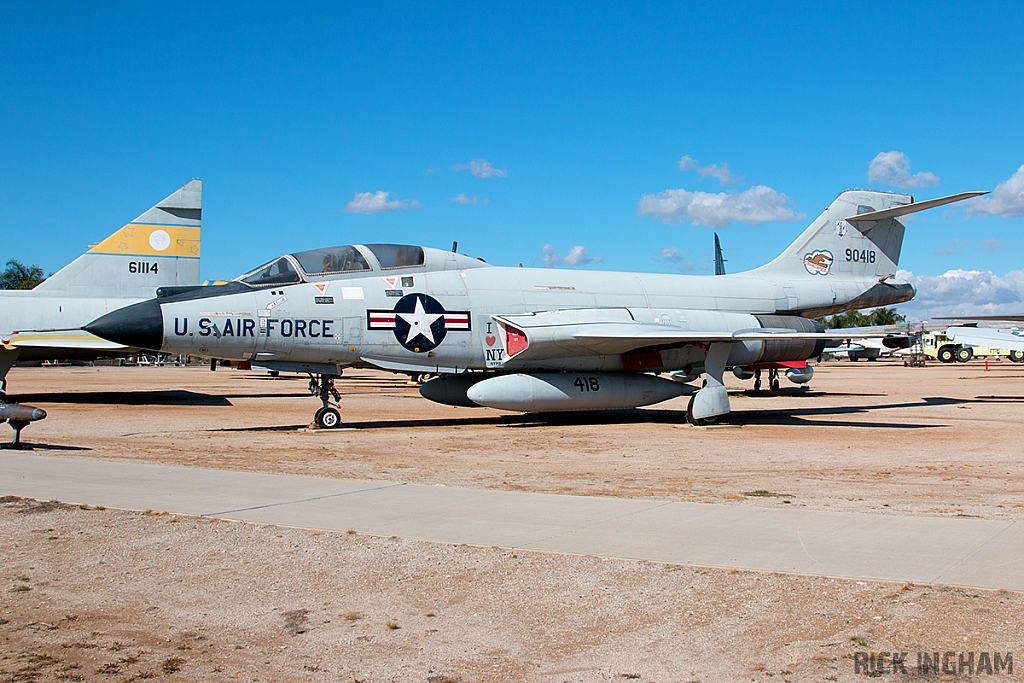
point(322, 386)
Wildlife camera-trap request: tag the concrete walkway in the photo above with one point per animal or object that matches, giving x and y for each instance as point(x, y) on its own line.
point(966, 552)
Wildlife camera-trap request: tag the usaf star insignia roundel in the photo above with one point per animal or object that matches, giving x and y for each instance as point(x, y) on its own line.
point(419, 321)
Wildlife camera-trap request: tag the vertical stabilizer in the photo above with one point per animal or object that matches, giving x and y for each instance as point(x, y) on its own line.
point(836, 247)
point(159, 248)
point(851, 251)
point(719, 261)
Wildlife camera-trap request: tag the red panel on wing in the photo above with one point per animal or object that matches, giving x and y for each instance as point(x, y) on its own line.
point(515, 341)
point(641, 360)
point(798, 364)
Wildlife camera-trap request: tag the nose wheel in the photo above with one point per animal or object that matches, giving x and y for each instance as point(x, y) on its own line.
point(322, 386)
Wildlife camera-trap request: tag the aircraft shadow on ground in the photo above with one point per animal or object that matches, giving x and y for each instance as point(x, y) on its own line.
point(29, 446)
point(750, 393)
point(176, 397)
point(800, 416)
point(795, 417)
point(299, 394)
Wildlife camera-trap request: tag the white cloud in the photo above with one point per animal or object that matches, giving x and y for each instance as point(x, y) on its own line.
point(481, 168)
point(376, 202)
point(965, 292)
point(720, 171)
point(893, 168)
point(1006, 200)
point(577, 256)
point(463, 199)
point(676, 257)
point(992, 245)
point(757, 205)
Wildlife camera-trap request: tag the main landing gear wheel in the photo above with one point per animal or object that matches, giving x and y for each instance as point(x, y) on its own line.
point(694, 421)
point(322, 386)
point(327, 418)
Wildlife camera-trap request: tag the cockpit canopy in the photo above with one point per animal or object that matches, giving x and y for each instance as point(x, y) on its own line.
point(331, 260)
point(294, 268)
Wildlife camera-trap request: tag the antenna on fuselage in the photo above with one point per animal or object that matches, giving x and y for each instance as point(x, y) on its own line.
point(455, 245)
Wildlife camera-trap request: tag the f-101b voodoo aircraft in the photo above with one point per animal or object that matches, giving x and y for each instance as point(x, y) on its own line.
point(527, 339)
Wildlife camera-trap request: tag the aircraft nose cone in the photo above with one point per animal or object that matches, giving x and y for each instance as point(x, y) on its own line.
point(139, 325)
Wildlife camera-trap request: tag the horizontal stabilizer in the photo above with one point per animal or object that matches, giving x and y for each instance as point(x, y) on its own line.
point(913, 208)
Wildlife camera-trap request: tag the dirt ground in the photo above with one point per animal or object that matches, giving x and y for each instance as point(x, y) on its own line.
point(112, 595)
point(868, 437)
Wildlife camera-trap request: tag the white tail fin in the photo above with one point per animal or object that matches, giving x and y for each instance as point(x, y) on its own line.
point(852, 250)
point(858, 238)
point(159, 248)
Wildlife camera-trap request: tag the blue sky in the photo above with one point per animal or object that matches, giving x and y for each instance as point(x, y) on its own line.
point(530, 133)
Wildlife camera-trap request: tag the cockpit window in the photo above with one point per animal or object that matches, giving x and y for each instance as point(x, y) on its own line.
point(332, 260)
point(279, 272)
point(397, 255)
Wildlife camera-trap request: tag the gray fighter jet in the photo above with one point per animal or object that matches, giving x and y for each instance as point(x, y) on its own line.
point(160, 248)
point(526, 339)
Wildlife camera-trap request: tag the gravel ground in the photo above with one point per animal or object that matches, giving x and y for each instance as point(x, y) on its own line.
point(110, 595)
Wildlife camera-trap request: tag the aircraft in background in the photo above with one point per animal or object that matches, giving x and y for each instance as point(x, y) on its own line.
point(160, 248)
point(856, 346)
point(719, 261)
point(1009, 338)
point(533, 339)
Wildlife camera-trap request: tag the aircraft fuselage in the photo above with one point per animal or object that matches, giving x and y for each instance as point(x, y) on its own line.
point(444, 320)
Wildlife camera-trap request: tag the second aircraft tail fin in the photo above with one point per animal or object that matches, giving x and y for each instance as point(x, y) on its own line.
point(159, 248)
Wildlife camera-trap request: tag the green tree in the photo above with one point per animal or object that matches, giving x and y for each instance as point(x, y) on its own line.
point(886, 316)
point(19, 276)
point(879, 316)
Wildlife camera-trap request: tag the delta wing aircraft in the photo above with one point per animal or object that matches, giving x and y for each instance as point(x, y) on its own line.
point(526, 339)
point(160, 248)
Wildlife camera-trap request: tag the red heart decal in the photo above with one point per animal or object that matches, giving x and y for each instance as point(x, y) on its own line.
point(490, 339)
